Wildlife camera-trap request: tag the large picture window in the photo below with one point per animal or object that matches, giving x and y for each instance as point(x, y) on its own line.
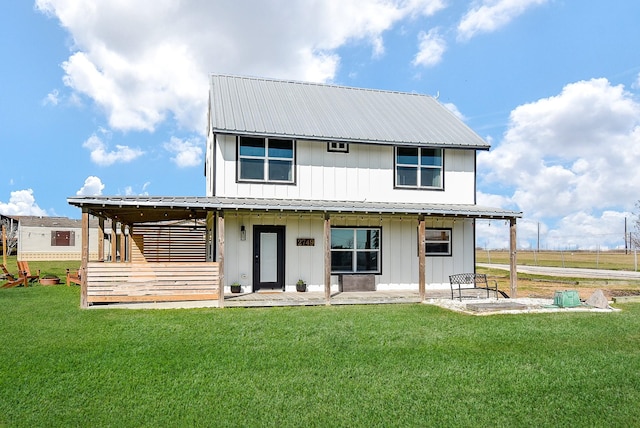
point(355, 250)
point(437, 242)
point(419, 168)
point(265, 159)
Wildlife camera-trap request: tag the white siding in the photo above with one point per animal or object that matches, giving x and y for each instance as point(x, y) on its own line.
point(365, 173)
point(399, 249)
point(34, 243)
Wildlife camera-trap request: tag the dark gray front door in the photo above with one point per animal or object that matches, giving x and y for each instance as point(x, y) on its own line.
point(268, 257)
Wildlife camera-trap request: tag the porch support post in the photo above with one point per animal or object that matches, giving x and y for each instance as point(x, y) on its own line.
point(114, 240)
point(327, 259)
point(220, 258)
point(101, 239)
point(84, 259)
point(123, 254)
point(513, 259)
point(421, 258)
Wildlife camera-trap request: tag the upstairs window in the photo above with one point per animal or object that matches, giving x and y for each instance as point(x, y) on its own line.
point(419, 168)
point(265, 160)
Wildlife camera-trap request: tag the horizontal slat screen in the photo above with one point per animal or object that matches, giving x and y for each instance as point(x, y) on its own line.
point(152, 282)
point(170, 243)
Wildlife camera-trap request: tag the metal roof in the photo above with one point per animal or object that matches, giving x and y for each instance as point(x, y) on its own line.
point(278, 108)
point(134, 209)
point(51, 222)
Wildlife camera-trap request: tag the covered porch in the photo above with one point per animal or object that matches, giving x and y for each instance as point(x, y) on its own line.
point(172, 249)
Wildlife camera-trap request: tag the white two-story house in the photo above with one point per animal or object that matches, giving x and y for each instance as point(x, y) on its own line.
point(342, 188)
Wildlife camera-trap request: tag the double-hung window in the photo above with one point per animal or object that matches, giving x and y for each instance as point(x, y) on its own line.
point(419, 168)
point(265, 159)
point(437, 242)
point(355, 250)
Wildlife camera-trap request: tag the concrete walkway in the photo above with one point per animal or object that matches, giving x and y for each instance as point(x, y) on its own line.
point(278, 298)
point(569, 272)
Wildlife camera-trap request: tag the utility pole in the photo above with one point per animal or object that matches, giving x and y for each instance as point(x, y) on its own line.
point(626, 248)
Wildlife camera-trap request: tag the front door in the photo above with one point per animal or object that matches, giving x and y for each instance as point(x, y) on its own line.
point(268, 258)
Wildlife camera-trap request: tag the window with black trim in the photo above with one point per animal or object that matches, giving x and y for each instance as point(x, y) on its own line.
point(437, 242)
point(265, 159)
point(355, 250)
point(338, 147)
point(419, 168)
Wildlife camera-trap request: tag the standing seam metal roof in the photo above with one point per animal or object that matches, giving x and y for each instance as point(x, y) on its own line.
point(278, 108)
point(230, 203)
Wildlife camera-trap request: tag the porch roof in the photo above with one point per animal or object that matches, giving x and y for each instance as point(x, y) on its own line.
point(139, 209)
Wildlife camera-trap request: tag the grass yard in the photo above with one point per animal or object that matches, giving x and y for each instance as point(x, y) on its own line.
point(385, 365)
point(615, 260)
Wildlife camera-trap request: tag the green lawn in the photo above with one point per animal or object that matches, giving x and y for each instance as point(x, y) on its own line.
point(386, 365)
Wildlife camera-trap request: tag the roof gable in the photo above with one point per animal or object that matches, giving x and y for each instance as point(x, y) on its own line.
point(267, 107)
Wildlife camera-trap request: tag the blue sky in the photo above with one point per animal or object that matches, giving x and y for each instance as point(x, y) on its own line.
point(103, 97)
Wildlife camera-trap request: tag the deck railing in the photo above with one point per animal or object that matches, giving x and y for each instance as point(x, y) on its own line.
point(152, 282)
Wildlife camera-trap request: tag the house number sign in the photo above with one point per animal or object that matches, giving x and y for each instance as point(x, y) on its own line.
point(305, 242)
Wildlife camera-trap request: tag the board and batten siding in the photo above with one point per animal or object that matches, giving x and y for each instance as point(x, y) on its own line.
point(399, 249)
point(365, 173)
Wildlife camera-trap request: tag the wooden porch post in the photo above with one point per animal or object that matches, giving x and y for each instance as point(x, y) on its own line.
point(513, 259)
point(421, 258)
point(327, 259)
point(101, 239)
point(130, 246)
point(220, 258)
point(123, 255)
point(85, 259)
point(114, 240)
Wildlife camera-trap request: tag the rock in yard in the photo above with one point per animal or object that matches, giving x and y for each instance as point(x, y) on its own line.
point(598, 300)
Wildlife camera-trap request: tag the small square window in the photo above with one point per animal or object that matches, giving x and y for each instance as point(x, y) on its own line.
point(337, 146)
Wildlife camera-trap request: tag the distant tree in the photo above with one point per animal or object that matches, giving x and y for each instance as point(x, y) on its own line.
point(11, 229)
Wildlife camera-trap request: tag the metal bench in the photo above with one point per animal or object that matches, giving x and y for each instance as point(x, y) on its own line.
point(471, 281)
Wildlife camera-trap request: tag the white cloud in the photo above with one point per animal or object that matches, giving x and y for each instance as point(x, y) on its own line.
point(21, 202)
point(130, 190)
point(585, 231)
point(431, 47)
point(454, 109)
point(148, 60)
point(575, 151)
point(491, 15)
point(187, 152)
point(102, 156)
point(569, 157)
point(52, 98)
point(92, 187)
